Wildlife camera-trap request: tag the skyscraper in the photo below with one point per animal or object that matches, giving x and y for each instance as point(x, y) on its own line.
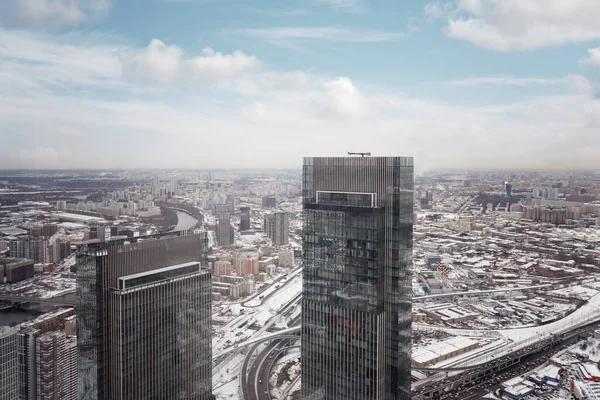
point(144, 318)
point(281, 229)
point(357, 254)
point(223, 228)
point(244, 218)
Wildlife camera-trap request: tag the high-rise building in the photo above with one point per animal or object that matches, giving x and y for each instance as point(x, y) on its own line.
point(35, 248)
point(144, 318)
point(224, 229)
point(244, 218)
point(56, 366)
point(230, 203)
point(280, 229)
point(269, 201)
point(357, 274)
point(269, 224)
point(508, 190)
point(47, 351)
point(9, 383)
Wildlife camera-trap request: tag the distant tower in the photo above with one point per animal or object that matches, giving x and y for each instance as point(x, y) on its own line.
point(244, 218)
point(280, 229)
point(508, 191)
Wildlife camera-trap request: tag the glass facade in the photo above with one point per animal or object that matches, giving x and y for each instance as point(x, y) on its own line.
point(151, 340)
point(357, 253)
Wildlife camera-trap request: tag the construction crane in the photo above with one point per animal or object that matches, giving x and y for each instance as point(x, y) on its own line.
point(358, 154)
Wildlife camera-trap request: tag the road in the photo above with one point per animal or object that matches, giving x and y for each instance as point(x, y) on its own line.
point(477, 389)
point(258, 377)
point(255, 382)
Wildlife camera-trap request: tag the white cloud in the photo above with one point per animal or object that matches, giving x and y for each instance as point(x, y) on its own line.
point(167, 63)
point(503, 80)
point(574, 82)
point(55, 62)
point(508, 25)
point(39, 13)
point(277, 35)
point(593, 58)
point(345, 100)
point(353, 6)
point(262, 118)
point(579, 83)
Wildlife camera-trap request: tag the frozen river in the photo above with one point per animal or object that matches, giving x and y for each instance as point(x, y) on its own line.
point(184, 221)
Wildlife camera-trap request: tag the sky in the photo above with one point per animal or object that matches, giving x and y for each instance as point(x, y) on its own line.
point(109, 84)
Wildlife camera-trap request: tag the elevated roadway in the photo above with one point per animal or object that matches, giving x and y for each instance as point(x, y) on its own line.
point(29, 299)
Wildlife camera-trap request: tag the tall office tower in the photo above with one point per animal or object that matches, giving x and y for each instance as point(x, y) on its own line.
point(224, 236)
point(244, 218)
point(280, 229)
point(357, 256)
point(144, 318)
point(9, 387)
point(508, 190)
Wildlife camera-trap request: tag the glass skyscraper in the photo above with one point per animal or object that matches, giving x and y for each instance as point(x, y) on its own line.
point(357, 254)
point(144, 318)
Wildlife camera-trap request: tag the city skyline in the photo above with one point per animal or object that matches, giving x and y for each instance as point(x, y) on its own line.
point(454, 84)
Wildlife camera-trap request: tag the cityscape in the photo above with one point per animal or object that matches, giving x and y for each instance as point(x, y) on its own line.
point(299, 200)
point(263, 278)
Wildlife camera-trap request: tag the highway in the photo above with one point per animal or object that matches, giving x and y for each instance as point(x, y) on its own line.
point(258, 376)
point(256, 371)
point(53, 301)
point(477, 387)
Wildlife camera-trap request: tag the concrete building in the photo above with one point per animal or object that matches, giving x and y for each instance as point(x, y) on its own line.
point(269, 224)
point(151, 336)
point(14, 270)
point(269, 201)
point(48, 369)
point(280, 229)
point(357, 278)
point(9, 387)
point(56, 365)
point(34, 248)
point(286, 258)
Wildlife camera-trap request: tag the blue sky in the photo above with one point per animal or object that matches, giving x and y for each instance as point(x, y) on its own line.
point(241, 83)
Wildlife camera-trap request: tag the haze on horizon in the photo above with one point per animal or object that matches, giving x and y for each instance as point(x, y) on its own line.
point(111, 84)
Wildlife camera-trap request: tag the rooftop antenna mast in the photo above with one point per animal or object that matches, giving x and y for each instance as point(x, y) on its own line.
point(359, 154)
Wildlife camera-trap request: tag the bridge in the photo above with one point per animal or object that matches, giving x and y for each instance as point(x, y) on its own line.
point(29, 299)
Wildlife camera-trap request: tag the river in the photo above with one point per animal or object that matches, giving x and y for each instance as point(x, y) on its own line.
point(16, 315)
point(184, 221)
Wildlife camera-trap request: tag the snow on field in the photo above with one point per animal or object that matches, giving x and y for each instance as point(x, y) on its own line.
point(273, 288)
point(281, 391)
point(228, 391)
point(586, 313)
point(589, 348)
point(284, 294)
point(578, 292)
